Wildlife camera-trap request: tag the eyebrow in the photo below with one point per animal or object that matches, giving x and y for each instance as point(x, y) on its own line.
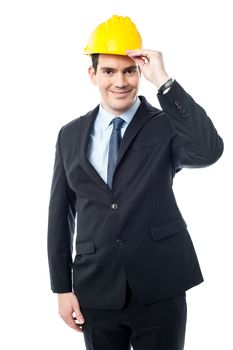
point(125, 69)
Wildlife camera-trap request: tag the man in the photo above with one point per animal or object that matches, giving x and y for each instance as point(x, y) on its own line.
point(114, 167)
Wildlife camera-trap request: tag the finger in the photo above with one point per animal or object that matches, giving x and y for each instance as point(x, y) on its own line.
point(140, 61)
point(79, 316)
point(138, 52)
point(79, 325)
point(72, 324)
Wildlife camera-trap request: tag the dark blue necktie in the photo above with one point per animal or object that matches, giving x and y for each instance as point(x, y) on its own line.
point(114, 145)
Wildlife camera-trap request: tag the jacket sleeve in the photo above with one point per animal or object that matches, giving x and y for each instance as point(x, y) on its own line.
point(195, 141)
point(61, 226)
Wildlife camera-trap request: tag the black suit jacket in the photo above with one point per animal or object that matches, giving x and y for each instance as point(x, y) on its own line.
point(135, 231)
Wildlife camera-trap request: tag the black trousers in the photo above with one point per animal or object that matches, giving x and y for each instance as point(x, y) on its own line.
point(156, 326)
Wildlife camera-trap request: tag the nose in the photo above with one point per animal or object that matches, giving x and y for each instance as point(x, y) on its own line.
point(120, 81)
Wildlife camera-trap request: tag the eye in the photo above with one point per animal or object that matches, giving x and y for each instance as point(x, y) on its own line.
point(108, 72)
point(130, 71)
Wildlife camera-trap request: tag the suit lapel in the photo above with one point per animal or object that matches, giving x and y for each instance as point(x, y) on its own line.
point(87, 123)
point(144, 112)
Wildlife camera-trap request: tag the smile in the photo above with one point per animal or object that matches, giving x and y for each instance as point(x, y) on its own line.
point(121, 93)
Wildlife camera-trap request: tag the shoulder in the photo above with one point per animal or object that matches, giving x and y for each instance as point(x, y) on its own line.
point(75, 125)
point(159, 118)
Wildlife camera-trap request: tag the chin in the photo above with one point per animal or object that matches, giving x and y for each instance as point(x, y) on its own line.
point(123, 102)
point(122, 107)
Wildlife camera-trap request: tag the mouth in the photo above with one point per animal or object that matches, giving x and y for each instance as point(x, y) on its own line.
point(120, 93)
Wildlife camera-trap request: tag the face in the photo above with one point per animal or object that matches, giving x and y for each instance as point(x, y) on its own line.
point(117, 78)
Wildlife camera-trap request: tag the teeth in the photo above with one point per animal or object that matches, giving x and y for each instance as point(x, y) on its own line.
point(120, 92)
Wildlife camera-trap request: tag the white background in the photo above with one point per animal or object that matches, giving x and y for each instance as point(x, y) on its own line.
point(43, 85)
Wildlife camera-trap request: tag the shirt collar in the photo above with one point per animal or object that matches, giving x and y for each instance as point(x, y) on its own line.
point(104, 118)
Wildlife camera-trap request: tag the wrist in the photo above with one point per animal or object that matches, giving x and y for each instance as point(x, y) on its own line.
point(60, 295)
point(165, 87)
point(161, 79)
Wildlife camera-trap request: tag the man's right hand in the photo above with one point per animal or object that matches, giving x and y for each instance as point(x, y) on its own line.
point(69, 310)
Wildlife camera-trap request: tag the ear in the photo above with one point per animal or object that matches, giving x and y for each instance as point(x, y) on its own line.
point(92, 75)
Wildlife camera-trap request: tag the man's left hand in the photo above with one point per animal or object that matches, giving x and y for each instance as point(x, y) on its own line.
point(151, 64)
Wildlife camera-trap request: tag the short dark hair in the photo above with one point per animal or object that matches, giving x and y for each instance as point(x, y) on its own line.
point(95, 60)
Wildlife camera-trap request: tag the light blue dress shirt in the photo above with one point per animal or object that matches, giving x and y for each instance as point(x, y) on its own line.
point(98, 146)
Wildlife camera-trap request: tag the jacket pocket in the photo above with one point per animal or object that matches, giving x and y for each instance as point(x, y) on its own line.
point(87, 247)
point(169, 229)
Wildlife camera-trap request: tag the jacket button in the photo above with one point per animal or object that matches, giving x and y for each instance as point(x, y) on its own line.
point(114, 206)
point(178, 106)
point(119, 242)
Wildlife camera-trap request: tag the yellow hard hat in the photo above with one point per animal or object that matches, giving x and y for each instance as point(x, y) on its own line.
point(114, 36)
